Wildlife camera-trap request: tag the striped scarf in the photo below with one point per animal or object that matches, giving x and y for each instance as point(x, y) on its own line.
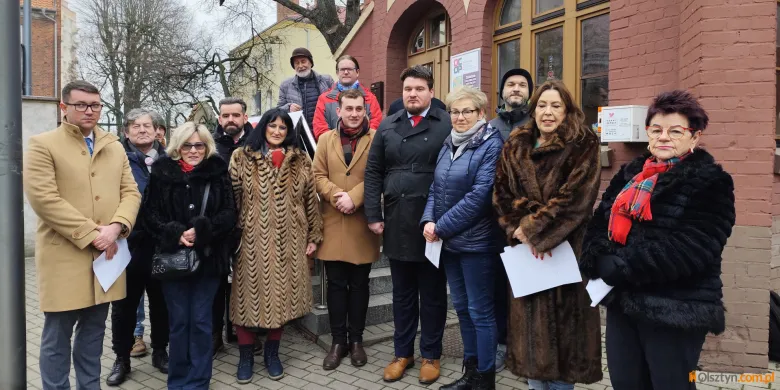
point(633, 202)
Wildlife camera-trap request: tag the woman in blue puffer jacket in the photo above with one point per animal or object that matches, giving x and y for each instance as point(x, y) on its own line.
point(459, 212)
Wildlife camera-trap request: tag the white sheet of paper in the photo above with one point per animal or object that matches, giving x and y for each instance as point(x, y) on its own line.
point(433, 251)
point(529, 275)
point(597, 290)
point(108, 271)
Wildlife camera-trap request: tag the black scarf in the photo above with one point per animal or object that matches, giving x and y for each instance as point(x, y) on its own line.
point(514, 116)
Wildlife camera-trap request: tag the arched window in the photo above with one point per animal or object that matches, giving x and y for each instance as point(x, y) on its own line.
point(510, 12)
point(432, 32)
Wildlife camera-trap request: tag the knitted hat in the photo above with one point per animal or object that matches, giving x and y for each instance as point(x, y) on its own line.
point(301, 52)
point(516, 72)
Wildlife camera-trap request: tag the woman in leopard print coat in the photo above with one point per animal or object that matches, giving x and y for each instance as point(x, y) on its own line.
point(279, 213)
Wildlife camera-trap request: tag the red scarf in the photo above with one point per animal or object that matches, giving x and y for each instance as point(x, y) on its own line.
point(633, 202)
point(186, 168)
point(277, 157)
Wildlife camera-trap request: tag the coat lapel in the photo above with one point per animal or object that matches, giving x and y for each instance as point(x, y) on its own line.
point(336, 145)
point(526, 169)
point(361, 148)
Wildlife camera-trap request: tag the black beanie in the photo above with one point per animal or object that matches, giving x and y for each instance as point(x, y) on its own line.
point(516, 72)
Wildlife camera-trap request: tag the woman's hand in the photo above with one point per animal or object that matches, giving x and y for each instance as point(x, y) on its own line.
point(519, 235)
point(311, 248)
point(539, 255)
point(188, 238)
point(429, 232)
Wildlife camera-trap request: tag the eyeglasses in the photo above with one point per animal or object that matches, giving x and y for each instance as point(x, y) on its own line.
point(199, 146)
point(466, 113)
point(347, 70)
point(675, 132)
point(82, 107)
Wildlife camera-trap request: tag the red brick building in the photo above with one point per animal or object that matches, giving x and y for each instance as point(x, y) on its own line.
point(721, 50)
point(46, 48)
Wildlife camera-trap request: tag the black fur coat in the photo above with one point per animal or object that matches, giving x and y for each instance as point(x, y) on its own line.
point(172, 203)
point(668, 272)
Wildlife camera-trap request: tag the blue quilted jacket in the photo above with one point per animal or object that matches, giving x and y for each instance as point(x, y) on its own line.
point(460, 197)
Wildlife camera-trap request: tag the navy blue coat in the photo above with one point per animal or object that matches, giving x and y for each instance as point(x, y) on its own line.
point(460, 197)
point(141, 250)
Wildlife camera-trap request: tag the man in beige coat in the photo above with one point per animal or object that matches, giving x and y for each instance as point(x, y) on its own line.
point(348, 246)
point(77, 179)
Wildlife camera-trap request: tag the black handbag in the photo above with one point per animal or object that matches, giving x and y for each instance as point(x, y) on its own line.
point(182, 263)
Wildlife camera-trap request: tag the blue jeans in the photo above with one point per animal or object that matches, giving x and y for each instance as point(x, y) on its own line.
point(189, 304)
point(549, 385)
point(140, 317)
point(471, 277)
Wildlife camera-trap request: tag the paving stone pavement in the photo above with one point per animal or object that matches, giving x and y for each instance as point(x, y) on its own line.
point(302, 359)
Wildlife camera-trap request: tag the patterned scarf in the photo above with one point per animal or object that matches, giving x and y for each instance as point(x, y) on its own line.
point(350, 138)
point(342, 88)
point(633, 202)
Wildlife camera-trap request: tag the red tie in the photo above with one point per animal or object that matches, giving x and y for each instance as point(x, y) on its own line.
point(416, 120)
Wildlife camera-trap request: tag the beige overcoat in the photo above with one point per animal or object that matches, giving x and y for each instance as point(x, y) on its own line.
point(72, 193)
point(345, 237)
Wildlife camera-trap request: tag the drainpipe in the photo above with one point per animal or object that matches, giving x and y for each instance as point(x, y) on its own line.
point(27, 47)
point(56, 46)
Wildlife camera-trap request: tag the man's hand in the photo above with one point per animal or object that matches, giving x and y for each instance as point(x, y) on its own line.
point(294, 107)
point(311, 248)
point(377, 227)
point(107, 236)
point(111, 251)
point(344, 203)
point(429, 232)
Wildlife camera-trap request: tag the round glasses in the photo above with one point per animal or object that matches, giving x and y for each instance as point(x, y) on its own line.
point(675, 132)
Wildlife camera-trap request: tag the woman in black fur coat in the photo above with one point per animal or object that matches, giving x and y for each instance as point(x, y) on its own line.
point(172, 205)
point(657, 237)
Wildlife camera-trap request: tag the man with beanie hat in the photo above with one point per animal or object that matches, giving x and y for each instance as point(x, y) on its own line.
point(300, 92)
point(515, 90)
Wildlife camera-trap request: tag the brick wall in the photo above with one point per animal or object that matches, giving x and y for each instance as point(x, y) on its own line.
point(43, 75)
point(359, 47)
point(702, 47)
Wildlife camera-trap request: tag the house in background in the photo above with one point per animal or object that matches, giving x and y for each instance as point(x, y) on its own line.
point(289, 32)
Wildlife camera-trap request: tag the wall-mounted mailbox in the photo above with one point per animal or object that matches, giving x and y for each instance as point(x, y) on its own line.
point(623, 123)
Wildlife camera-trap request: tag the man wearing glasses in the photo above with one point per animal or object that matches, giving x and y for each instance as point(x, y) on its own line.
point(325, 115)
point(78, 181)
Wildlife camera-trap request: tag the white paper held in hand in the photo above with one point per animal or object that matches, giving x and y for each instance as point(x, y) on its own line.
point(529, 275)
point(597, 290)
point(108, 271)
point(433, 251)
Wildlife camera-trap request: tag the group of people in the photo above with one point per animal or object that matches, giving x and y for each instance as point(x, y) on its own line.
point(254, 205)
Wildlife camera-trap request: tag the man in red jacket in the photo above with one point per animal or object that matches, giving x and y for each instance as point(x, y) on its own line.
point(325, 116)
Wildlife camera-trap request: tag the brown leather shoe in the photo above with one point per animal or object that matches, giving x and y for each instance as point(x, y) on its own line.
point(333, 359)
point(396, 369)
point(429, 371)
point(357, 355)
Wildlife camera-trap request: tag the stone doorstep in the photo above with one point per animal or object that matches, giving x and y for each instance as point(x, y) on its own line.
point(373, 334)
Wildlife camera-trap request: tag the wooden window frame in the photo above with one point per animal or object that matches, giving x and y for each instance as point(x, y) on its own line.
point(500, 8)
point(545, 13)
point(425, 23)
point(578, 90)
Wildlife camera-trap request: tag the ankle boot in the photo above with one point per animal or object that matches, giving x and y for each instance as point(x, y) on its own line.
point(484, 380)
point(246, 364)
point(272, 362)
point(465, 382)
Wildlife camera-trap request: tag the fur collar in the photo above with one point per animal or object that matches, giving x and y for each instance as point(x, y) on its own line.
point(291, 153)
point(167, 168)
point(698, 169)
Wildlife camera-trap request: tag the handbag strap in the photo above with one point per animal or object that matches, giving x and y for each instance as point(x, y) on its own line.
point(205, 198)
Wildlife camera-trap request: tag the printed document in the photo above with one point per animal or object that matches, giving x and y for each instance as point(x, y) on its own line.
point(108, 271)
point(597, 290)
point(433, 251)
point(529, 275)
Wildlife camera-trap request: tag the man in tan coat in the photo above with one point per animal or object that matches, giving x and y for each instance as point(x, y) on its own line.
point(348, 246)
point(78, 180)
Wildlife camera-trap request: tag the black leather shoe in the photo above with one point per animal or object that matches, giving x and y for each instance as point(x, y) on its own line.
point(160, 361)
point(119, 372)
point(333, 359)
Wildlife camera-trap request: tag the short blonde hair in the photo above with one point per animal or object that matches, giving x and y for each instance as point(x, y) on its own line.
point(181, 134)
point(476, 96)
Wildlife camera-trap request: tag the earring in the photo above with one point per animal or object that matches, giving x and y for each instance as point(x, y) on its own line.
point(692, 147)
point(648, 146)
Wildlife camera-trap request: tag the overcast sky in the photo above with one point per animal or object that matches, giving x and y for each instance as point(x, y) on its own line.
point(206, 14)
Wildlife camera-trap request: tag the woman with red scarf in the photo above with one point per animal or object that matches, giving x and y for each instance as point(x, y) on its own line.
point(657, 238)
point(279, 214)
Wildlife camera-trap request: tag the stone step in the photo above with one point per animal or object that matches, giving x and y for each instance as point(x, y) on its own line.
point(379, 282)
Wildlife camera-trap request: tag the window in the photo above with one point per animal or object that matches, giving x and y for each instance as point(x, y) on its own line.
point(510, 12)
point(594, 66)
point(549, 55)
point(438, 30)
point(508, 58)
point(418, 45)
point(431, 33)
point(543, 6)
point(258, 100)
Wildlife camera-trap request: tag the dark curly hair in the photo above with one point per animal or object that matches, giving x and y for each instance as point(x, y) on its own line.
point(679, 102)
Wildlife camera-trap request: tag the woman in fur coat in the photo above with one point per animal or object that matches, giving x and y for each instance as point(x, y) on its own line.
point(171, 216)
point(657, 237)
point(280, 217)
point(546, 184)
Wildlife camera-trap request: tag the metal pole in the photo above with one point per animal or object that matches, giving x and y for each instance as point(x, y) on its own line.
point(323, 291)
point(13, 355)
point(27, 46)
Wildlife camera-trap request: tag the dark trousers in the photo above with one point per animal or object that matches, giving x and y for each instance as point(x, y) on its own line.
point(124, 313)
point(218, 308)
point(90, 323)
point(189, 311)
point(471, 277)
point(347, 300)
point(419, 296)
point(644, 356)
point(501, 296)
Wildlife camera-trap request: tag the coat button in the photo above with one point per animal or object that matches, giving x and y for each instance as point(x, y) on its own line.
point(347, 173)
point(402, 195)
point(404, 139)
point(97, 198)
point(425, 139)
point(93, 174)
point(83, 153)
point(188, 186)
point(192, 206)
point(98, 222)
